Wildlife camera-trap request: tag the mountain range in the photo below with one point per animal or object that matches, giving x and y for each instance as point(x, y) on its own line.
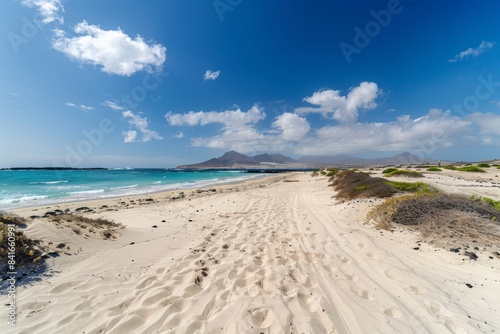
point(233, 159)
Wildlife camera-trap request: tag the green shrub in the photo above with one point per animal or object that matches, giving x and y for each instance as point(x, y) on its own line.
point(483, 165)
point(434, 169)
point(332, 171)
point(361, 188)
point(407, 173)
point(473, 169)
point(414, 187)
point(491, 201)
point(389, 170)
point(450, 167)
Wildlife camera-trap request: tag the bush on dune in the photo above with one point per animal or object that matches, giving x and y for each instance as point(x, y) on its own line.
point(483, 165)
point(450, 167)
point(350, 184)
point(434, 169)
point(389, 170)
point(441, 215)
point(473, 169)
point(407, 173)
point(26, 251)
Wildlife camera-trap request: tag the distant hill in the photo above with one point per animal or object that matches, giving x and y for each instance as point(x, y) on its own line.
point(233, 159)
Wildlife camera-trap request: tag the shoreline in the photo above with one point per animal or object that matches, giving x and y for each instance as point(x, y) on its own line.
point(263, 256)
point(210, 183)
point(157, 196)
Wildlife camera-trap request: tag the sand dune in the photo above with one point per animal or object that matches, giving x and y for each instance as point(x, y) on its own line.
point(267, 257)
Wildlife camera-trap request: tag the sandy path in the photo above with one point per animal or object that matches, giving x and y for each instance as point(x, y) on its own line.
point(275, 259)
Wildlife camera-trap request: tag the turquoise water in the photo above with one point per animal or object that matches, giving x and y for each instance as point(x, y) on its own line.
point(38, 187)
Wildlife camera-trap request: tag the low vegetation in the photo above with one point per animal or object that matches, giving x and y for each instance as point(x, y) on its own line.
point(407, 173)
point(332, 171)
point(389, 170)
point(351, 184)
point(86, 226)
point(15, 246)
point(450, 167)
point(483, 165)
point(473, 169)
point(442, 216)
point(413, 187)
point(434, 169)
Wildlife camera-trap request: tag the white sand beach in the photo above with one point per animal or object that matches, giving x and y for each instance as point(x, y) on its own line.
point(265, 256)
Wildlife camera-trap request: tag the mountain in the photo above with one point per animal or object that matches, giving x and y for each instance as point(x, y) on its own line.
point(275, 158)
point(342, 159)
point(233, 159)
point(405, 158)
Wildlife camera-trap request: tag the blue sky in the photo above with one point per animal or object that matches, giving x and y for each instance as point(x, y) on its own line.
point(163, 83)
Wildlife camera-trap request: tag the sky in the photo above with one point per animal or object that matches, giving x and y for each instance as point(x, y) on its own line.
point(161, 83)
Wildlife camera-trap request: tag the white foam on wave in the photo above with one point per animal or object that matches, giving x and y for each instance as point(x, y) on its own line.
point(21, 199)
point(125, 187)
point(83, 192)
point(50, 182)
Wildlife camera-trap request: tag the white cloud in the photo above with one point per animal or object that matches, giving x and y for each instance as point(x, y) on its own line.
point(471, 52)
point(179, 135)
point(230, 118)
point(113, 50)
point(141, 124)
point(488, 123)
point(292, 126)
point(290, 133)
point(48, 9)
point(209, 75)
point(344, 109)
point(129, 136)
point(112, 105)
point(81, 107)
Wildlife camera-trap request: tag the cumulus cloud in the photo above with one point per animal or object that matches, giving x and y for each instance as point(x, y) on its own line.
point(230, 118)
point(49, 9)
point(179, 135)
point(112, 105)
point(291, 133)
point(141, 124)
point(209, 75)
point(292, 126)
point(81, 107)
point(344, 109)
point(129, 136)
point(239, 129)
point(472, 52)
point(113, 50)
point(238, 126)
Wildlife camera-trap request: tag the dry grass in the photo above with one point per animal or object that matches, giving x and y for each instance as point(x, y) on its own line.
point(350, 184)
point(86, 226)
point(27, 251)
point(441, 216)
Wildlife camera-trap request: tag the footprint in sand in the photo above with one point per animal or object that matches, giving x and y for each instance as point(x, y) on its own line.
point(392, 274)
point(393, 312)
point(343, 259)
point(373, 256)
point(418, 290)
point(353, 278)
point(263, 317)
point(365, 294)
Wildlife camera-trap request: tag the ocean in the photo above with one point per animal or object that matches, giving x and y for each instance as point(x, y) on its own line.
point(19, 188)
